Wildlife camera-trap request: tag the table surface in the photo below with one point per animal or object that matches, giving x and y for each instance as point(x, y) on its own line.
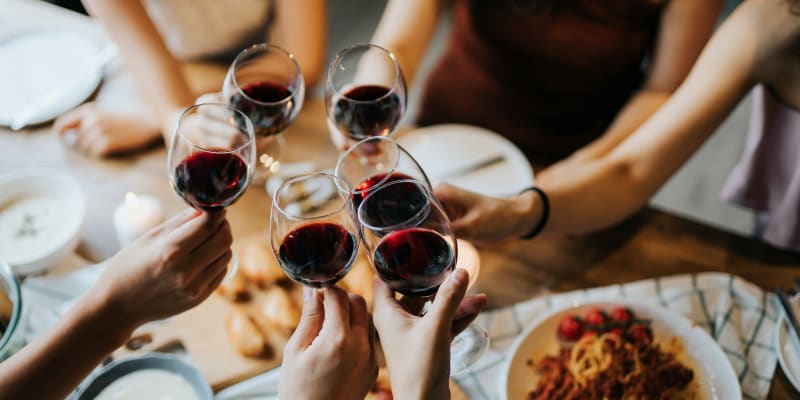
point(650, 244)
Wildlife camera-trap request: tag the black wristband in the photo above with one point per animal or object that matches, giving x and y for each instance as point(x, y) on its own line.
point(545, 213)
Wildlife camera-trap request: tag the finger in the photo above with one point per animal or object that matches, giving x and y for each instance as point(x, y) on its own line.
point(310, 321)
point(337, 310)
point(177, 220)
point(84, 140)
point(70, 120)
point(359, 317)
point(467, 311)
point(209, 288)
point(208, 272)
point(216, 244)
point(449, 297)
point(99, 146)
point(195, 231)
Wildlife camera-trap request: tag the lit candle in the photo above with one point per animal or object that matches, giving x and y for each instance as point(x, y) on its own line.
point(469, 259)
point(135, 216)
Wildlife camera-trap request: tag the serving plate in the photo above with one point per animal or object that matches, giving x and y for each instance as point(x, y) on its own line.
point(714, 373)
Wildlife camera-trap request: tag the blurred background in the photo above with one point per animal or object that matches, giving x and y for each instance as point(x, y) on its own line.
point(693, 192)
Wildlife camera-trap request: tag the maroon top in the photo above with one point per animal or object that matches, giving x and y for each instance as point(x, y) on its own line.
point(550, 81)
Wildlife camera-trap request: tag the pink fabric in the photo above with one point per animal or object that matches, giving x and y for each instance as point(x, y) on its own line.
point(767, 178)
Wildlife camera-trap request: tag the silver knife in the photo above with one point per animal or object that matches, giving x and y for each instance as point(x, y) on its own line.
point(38, 105)
point(486, 163)
point(786, 303)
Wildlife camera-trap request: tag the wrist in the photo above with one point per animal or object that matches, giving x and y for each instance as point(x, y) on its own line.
point(527, 209)
point(109, 312)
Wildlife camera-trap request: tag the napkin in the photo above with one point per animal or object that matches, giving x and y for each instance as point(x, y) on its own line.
point(736, 313)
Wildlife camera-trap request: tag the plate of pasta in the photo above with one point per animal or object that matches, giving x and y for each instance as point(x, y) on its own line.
point(615, 350)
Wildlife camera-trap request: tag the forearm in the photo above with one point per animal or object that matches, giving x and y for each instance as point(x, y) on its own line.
point(157, 73)
point(55, 363)
point(300, 28)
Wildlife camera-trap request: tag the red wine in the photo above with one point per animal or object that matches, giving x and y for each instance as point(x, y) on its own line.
point(267, 119)
point(414, 261)
point(368, 110)
point(391, 205)
point(363, 189)
point(211, 181)
point(317, 254)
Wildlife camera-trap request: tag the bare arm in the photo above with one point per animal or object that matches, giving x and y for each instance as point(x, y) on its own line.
point(301, 27)
point(685, 27)
point(405, 29)
point(53, 365)
point(154, 68)
point(593, 193)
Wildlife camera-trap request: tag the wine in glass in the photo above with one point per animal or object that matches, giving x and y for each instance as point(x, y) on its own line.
point(413, 248)
point(365, 94)
point(266, 84)
point(313, 232)
point(210, 157)
point(375, 161)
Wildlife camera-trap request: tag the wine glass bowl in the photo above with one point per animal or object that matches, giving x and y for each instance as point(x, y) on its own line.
point(312, 230)
point(408, 237)
point(375, 161)
point(210, 156)
point(266, 84)
point(365, 94)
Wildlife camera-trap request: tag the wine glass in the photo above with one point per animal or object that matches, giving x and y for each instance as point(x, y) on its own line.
point(210, 158)
point(365, 94)
point(313, 232)
point(412, 246)
point(266, 84)
point(375, 161)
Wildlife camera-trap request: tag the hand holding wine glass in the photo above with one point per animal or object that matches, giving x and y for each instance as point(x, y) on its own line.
point(365, 94)
point(210, 157)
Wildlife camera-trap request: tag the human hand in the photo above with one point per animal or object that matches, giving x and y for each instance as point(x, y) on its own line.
point(99, 132)
point(170, 269)
point(487, 219)
point(330, 355)
point(417, 349)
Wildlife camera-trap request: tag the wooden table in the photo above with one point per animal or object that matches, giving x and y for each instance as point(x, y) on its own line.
point(650, 244)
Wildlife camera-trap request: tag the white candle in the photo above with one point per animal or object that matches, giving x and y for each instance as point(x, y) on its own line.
point(135, 216)
point(469, 259)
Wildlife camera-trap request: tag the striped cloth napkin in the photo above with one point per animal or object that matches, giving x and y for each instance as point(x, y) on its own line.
point(740, 316)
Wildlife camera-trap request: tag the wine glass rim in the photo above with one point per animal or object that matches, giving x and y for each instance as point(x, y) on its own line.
point(337, 60)
point(344, 155)
point(376, 189)
point(338, 182)
point(249, 128)
point(270, 46)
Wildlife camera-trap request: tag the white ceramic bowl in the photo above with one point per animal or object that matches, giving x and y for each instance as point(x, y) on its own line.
point(41, 216)
point(13, 338)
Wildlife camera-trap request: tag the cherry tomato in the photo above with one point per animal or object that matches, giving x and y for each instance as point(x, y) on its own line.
point(587, 334)
point(571, 328)
point(622, 314)
point(596, 317)
point(616, 331)
point(639, 333)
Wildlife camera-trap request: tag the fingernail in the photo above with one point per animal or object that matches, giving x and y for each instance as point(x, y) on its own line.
point(460, 276)
point(308, 293)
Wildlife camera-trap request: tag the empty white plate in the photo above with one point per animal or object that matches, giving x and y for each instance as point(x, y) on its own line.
point(38, 62)
point(469, 157)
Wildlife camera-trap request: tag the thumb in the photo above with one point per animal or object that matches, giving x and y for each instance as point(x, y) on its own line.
point(310, 321)
point(449, 297)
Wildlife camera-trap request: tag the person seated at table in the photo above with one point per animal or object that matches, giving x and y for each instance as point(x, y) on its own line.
point(153, 34)
point(332, 349)
point(550, 75)
point(170, 269)
point(755, 47)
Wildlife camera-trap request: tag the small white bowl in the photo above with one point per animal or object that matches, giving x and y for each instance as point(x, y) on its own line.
point(41, 216)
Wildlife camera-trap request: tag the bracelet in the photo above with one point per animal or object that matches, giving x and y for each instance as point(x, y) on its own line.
point(545, 212)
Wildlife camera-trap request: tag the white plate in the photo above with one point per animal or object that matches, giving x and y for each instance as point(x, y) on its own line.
point(41, 215)
point(38, 62)
point(441, 149)
point(788, 353)
point(713, 371)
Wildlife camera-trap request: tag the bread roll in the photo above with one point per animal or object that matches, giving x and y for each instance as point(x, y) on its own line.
point(279, 309)
point(246, 337)
point(259, 266)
